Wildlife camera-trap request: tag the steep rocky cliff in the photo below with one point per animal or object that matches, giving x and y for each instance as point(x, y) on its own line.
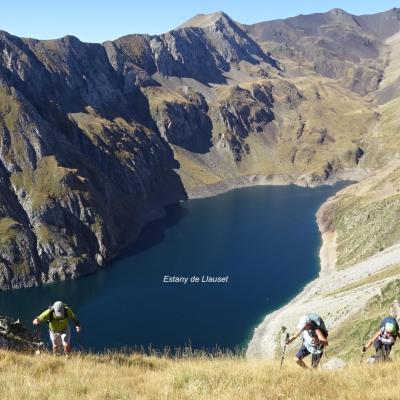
point(80, 171)
point(96, 138)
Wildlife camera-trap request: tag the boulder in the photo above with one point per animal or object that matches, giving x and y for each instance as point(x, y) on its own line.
point(376, 359)
point(334, 363)
point(372, 360)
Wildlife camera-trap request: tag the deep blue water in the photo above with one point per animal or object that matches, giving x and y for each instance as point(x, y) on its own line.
point(265, 239)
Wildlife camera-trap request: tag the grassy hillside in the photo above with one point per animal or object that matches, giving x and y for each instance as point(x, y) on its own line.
point(144, 377)
point(365, 217)
point(347, 339)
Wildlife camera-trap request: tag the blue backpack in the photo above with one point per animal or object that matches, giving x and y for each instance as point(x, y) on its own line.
point(318, 323)
point(390, 320)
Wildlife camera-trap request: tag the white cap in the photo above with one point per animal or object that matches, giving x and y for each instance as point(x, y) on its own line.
point(302, 323)
point(58, 308)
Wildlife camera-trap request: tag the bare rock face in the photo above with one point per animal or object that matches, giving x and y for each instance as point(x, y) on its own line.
point(242, 113)
point(185, 125)
point(202, 53)
point(246, 111)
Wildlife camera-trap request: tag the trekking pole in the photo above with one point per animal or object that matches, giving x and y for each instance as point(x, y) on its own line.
point(314, 361)
point(284, 349)
point(38, 341)
point(362, 354)
point(386, 353)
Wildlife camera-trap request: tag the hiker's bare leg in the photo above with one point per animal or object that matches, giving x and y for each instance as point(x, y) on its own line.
point(300, 362)
point(67, 348)
point(56, 342)
point(66, 340)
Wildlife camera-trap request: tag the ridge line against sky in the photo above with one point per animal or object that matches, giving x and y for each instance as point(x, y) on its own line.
point(101, 20)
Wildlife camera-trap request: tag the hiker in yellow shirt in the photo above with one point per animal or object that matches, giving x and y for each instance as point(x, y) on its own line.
point(57, 317)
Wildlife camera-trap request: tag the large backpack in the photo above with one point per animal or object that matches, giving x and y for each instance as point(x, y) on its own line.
point(391, 320)
point(319, 323)
point(52, 316)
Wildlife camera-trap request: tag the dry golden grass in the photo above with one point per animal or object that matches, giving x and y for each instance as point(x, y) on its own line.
point(159, 96)
point(192, 172)
point(365, 217)
point(9, 109)
point(148, 377)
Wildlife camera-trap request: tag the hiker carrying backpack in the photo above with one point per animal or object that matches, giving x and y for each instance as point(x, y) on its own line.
point(314, 333)
point(57, 317)
point(384, 339)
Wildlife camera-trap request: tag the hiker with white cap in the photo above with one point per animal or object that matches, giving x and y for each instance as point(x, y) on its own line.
point(57, 317)
point(314, 334)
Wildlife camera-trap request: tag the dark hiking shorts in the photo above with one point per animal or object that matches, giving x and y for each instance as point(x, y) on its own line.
point(379, 345)
point(303, 352)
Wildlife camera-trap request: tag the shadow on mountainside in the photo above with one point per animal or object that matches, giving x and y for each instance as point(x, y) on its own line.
point(154, 231)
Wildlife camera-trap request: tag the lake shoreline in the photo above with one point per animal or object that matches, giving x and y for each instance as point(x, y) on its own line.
point(227, 185)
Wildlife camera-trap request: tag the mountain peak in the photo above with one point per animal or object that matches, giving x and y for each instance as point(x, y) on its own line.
point(206, 20)
point(337, 14)
point(337, 11)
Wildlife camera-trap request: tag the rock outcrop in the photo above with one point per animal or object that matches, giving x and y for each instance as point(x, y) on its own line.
point(15, 336)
